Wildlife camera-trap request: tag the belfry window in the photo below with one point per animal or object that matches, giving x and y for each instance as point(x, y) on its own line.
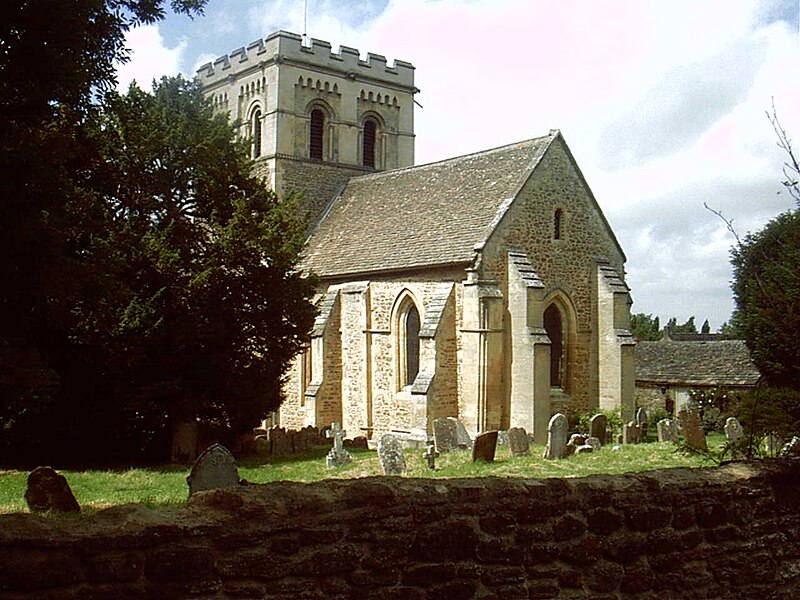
point(555, 331)
point(316, 134)
point(370, 134)
point(558, 224)
point(256, 129)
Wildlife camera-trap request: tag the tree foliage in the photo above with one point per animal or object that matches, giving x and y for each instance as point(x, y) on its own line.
point(146, 276)
point(766, 289)
point(645, 327)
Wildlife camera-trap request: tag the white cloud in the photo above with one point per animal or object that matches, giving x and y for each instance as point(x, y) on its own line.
point(150, 58)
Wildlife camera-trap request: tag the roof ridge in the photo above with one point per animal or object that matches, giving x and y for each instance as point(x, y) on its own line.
point(553, 133)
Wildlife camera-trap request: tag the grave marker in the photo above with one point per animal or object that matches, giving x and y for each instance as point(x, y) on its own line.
point(430, 456)
point(692, 433)
point(518, 442)
point(485, 446)
point(49, 490)
point(556, 437)
point(214, 468)
point(390, 454)
point(337, 456)
point(597, 427)
point(667, 430)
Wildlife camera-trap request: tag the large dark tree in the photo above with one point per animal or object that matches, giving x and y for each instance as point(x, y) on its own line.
point(145, 276)
point(766, 290)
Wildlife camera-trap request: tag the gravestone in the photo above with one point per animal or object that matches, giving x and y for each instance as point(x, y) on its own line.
point(49, 490)
point(584, 448)
point(518, 442)
point(390, 454)
point(630, 433)
point(692, 433)
point(214, 468)
point(556, 437)
point(667, 430)
point(772, 444)
point(280, 441)
point(485, 446)
point(597, 427)
point(262, 445)
point(337, 456)
point(358, 442)
point(430, 456)
point(641, 423)
point(594, 442)
point(502, 437)
point(734, 433)
point(450, 434)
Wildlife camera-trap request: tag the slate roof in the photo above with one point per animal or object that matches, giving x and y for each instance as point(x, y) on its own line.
point(718, 362)
point(420, 217)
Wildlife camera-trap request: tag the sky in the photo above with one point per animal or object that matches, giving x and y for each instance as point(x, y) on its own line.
point(663, 105)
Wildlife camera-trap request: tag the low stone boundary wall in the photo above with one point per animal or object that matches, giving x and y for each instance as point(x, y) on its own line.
point(727, 532)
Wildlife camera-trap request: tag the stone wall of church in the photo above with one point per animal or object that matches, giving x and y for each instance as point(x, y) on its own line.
point(566, 264)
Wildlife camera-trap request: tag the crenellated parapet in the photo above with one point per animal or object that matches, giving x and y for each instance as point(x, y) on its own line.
point(283, 46)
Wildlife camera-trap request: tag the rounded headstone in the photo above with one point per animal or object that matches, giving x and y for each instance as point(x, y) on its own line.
point(49, 490)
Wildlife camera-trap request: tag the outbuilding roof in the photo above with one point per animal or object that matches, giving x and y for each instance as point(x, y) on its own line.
point(706, 363)
point(420, 217)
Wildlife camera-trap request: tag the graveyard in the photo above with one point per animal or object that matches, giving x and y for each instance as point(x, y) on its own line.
point(165, 486)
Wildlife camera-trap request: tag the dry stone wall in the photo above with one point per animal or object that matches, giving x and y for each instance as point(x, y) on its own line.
point(728, 532)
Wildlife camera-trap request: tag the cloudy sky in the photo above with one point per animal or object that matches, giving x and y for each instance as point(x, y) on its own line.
point(662, 103)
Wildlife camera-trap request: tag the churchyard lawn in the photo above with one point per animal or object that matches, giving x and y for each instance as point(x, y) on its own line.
point(166, 486)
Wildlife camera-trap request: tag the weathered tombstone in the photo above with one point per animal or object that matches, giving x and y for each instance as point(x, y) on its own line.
point(597, 427)
point(49, 490)
point(280, 441)
point(337, 456)
point(692, 433)
point(556, 437)
point(214, 468)
point(630, 433)
point(772, 444)
point(358, 442)
point(262, 445)
point(667, 430)
point(734, 433)
point(642, 423)
point(577, 439)
point(485, 446)
point(390, 454)
point(445, 434)
point(517, 439)
point(430, 456)
point(594, 442)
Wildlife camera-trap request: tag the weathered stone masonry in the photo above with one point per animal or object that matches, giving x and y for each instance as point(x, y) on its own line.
point(728, 532)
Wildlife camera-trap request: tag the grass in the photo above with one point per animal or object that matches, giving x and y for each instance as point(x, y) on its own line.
point(165, 487)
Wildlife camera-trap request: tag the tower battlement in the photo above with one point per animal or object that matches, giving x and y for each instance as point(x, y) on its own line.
point(286, 47)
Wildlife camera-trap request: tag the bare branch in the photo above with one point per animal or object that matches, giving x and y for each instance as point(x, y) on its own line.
point(728, 223)
point(791, 168)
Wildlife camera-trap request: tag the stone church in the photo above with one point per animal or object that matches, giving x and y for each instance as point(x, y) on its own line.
point(488, 286)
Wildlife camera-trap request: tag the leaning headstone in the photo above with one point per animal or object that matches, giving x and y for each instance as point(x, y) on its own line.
point(49, 490)
point(630, 433)
point(518, 443)
point(556, 437)
point(445, 434)
point(667, 430)
point(597, 427)
point(692, 432)
point(430, 456)
point(390, 454)
point(337, 456)
point(485, 446)
point(642, 423)
point(772, 444)
point(214, 468)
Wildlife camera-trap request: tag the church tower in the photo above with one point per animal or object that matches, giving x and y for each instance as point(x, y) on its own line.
point(314, 118)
